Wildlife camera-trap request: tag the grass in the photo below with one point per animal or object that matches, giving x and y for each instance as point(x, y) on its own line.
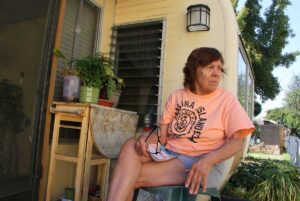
point(281, 157)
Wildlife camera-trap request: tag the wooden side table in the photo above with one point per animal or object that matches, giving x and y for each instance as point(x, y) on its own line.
point(105, 127)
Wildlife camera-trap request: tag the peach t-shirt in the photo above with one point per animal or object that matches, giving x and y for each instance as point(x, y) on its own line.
point(200, 124)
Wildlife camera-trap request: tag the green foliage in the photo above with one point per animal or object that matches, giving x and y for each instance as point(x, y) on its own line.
point(111, 83)
point(289, 115)
point(68, 69)
point(293, 94)
point(110, 87)
point(277, 114)
point(256, 133)
point(94, 69)
point(257, 108)
point(265, 180)
point(286, 116)
point(12, 114)
point(97, 71)
point(281, 182)
point(265, 38)
point(235, 4)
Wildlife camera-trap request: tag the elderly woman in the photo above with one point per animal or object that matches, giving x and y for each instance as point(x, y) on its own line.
point(201, 126)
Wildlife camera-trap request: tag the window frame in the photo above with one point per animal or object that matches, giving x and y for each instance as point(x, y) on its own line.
point(163, 21)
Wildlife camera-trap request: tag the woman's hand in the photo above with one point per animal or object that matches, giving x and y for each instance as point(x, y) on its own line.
point(141, 145)
point(199, 172)
point(198, 175)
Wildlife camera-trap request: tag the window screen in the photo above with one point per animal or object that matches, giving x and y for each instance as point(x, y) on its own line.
point(137, 54)
point(78, 35)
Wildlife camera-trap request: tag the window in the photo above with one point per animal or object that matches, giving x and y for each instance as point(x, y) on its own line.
point(245, 84)
point(250, 94)
point(137, 54)
point(242, 80)
point(79, 35)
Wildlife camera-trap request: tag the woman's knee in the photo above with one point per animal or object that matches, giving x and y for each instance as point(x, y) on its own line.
point(128, 147)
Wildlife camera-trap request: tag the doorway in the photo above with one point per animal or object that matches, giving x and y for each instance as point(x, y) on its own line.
point(24, 31)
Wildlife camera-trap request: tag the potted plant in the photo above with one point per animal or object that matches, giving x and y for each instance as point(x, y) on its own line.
point(71, 79)
point(91, 70)
point(112, 85)
point(115, 95)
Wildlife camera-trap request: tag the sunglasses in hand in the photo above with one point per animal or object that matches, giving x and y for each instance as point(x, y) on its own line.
point(155, 131)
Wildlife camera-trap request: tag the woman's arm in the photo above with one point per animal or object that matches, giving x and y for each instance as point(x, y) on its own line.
point(199, 172)
point(164, 133)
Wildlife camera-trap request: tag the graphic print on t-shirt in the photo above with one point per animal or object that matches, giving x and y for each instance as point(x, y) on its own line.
point(187, 121)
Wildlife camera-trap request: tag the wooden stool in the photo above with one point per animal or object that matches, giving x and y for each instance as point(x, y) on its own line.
point(102, 173)
point(77, 112)
point(69, 114)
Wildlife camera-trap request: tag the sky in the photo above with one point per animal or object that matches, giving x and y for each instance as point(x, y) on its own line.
point(284, 75)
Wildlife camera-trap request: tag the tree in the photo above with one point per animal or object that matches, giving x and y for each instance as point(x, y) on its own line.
point(235, 4)
point(289, 115)
point(265, 38)
point(278, 114)
point(292, 99)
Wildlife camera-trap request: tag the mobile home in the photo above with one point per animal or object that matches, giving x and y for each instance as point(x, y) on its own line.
point(149, 42)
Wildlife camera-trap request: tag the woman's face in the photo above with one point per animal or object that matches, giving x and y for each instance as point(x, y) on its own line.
point(208, 77)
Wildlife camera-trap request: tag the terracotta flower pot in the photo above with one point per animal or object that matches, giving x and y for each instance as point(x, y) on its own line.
point(115, 98)
point(105, 102)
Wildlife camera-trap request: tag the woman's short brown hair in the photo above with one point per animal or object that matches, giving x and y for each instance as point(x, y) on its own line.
point(199, 57)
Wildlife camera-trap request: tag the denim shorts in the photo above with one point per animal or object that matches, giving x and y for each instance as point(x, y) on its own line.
point(216, 175)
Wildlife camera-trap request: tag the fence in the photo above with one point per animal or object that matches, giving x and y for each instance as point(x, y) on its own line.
point(293, 148)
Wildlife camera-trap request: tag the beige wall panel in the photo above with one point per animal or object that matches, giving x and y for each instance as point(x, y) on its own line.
point(100, 2)
point(107, 22)
point(231, 44)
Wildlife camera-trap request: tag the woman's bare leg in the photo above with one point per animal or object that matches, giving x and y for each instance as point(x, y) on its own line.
point(130, 196)
point(133, 171)
point(126, 172)
point(160, 174)
point(171, 172)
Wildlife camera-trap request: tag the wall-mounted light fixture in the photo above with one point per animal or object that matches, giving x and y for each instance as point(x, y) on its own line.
point(198, 18)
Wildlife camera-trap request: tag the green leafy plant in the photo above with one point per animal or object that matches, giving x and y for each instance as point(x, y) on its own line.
point(68, 69)
point(93, 69)
point(265, 180)
point(111, 84)
point(282, 182)
point(120, 84)
point(96, 70)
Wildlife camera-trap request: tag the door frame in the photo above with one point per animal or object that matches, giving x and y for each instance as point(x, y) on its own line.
point(43, 94)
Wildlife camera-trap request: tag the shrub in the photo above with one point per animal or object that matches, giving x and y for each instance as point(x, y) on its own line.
point(265, 180)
